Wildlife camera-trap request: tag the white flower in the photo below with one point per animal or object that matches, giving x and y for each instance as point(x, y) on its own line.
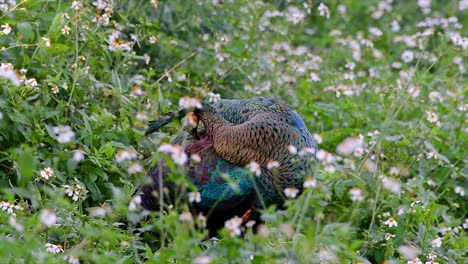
point(291, 192)
point(202, 260)
point(71, 259)
point(358, 152)
point(233, 226)
point(213, 97)
point(66, 30)
point(7, 71)
point(187, 102)
point(459, 190)
point(356, 194)
point(186, 217)
point(77, 5)
point(391, 185)
point(7, 207)
point(48, 217)
point(389, 236)
point(32, 82)
point(64, 133)
point(432, 117)
point(272, 164)
point(414, 90)
point(15, 224)
point(436, 243)
point(407, 56)
point(194, 197)
point(153, 40)
point(135, 168)
point(318, 138)
point(409, 252)
point(195, 157)
point(435, 96)
point(134, 203)
point(294, 15)
point(431, 256)
point(349, 145)
point(141, 116)
point(6, 29)
point(75, 191)
point(123, 155)
point(54, 248)
point(391, 222)
point(47, 173)
point(78, 155)
point(323, 10)
point(415, 261)
point(46, 41)
point(292, 149)
point(314, 77)
point(375, 31)
point(394, 171)
point(395, 26)
point(255, 168)
point(100, 211)
point(310, 183)
point(465, 224)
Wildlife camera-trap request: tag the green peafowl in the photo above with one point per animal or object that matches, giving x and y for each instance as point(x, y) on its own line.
point(236, 134)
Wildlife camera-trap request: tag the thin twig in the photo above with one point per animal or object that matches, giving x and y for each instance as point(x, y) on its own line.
point(175, 67)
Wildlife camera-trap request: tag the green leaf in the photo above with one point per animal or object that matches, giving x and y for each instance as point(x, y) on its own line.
point(25, 29)
point(26, 165)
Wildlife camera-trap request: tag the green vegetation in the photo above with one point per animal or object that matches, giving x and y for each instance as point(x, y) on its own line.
point(382, 85)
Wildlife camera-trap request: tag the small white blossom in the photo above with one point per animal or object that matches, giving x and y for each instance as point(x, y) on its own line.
point(391, 185)
point(292, 149)
point(349, 145)
point(323, 10)
point(78, 155)
point(153, 40)
point(255, 168)
point(71, 259)
point(6, 29)
point(48, 217)
point(123, 155)
point(194, 197)
point(135, 168)
point(54, 248)
point(272, 164)
point(177, 153)
point(46, 41)
point(318, 138)
point(415, 261)
point(310, 183)
point(187, 102)
point(47, 173)
point(77, 5)
point(436, 243)
point(356, 194)
point(407, 56)
point(233, 226)
point(64, 133)
point(134, 203)
point(202, 260)
point(460, 190)
point(432, 117)
point(391, 222)
point(314, 77)
point(291, 192)
point(66, 30)
point(213, 97)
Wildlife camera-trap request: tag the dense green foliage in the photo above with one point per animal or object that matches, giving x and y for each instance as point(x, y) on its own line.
point(79, 81)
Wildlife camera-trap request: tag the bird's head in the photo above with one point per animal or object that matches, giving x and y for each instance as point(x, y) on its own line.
point(209, 116)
